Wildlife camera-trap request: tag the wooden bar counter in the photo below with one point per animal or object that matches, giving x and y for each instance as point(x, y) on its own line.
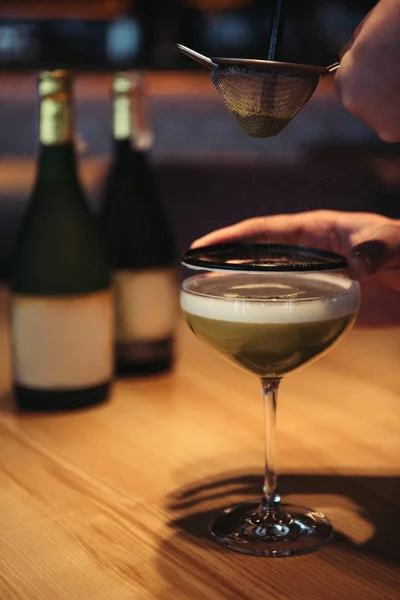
point(114, 503)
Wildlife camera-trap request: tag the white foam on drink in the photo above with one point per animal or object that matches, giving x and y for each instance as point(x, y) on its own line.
point(270, 298)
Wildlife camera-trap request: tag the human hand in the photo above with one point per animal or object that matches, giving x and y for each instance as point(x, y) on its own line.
point(370, 243)
point(368, 81)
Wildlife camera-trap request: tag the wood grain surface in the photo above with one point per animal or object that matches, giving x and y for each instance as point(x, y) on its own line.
point(115, 502)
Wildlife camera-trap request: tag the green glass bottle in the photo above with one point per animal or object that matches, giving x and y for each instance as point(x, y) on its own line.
point(138, 240)
point(61, 303)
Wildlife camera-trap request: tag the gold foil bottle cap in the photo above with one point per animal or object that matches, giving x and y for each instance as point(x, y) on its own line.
point(55, 82)
point(56, 119)
point(126, 83)
point(122, 84)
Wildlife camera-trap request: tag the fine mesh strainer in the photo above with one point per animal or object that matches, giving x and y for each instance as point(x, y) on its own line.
point(262, 95)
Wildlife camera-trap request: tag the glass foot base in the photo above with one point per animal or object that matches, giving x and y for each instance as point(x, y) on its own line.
point(283, 531)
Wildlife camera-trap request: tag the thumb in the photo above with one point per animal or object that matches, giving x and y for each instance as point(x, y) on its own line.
point(367, 258)
point(379, 252)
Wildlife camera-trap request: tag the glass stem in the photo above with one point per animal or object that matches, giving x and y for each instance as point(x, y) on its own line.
point(271, 497)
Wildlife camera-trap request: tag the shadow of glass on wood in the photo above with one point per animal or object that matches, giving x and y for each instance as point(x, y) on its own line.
point(362, 562)
point(363, 509)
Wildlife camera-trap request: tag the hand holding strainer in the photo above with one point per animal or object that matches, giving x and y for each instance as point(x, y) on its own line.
point(262, 95)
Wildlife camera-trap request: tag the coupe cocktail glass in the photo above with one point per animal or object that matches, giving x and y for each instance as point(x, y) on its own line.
point(270, 323)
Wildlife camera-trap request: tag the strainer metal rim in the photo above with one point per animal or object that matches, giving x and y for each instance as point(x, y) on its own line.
point(269, 64)
point(214, 258)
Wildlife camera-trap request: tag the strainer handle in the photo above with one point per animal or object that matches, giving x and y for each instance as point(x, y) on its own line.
point(276, 34)
point(332, 68)
point(200, 58)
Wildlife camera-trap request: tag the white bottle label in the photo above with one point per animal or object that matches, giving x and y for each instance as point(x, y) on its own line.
point(62, 342)
point(146, 304)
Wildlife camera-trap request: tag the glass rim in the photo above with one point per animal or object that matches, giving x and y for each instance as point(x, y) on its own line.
point(342, 291)
point(254, 257)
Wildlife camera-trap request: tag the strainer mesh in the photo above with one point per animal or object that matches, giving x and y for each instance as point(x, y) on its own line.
point(263, 101)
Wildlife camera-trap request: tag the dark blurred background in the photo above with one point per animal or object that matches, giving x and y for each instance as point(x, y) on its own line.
point(209, 173)
point(115, 34)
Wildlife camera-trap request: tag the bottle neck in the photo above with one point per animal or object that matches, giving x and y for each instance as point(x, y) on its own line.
point(122, 118)
point(57, 163)
point(56, 133)
point(56, 120)
point(130, 126)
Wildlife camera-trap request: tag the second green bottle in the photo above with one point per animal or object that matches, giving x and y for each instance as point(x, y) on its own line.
point(138, 240)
